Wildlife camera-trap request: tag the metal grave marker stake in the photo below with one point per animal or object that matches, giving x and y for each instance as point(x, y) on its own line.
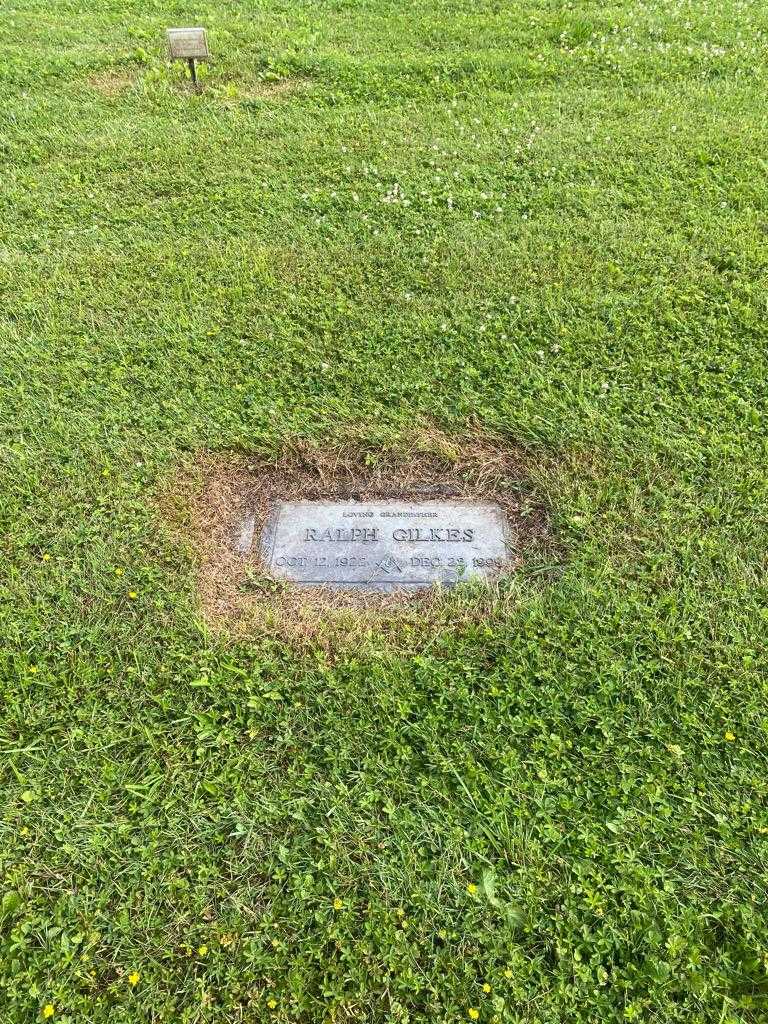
point(189, 44)
point(384, 545)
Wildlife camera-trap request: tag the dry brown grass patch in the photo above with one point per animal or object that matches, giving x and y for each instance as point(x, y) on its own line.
point(111, 82)
point(276, 90)
point(207, 503)
point(283, 88)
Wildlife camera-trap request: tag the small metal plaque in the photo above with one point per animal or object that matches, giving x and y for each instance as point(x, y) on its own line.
point(184, 43)
point(386, 545)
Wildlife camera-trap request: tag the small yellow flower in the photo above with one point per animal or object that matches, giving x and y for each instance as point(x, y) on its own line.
point(132, 594)
point(271, 1003)
point(471, 888)
point(46, 557)
point(202, 950)
point(730, 736)
point(32, 670)
point(119, 572)
point(48, 1010)
point(338, 904)
point(473, 1013)
point(486, 988)
point(508, 973)
point(275, 943)
point(133, 978)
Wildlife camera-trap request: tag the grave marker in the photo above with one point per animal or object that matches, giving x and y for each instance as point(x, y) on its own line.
point(385, 545)
point(189, 44)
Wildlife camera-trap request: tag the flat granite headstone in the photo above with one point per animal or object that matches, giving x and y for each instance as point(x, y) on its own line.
point(385, 545)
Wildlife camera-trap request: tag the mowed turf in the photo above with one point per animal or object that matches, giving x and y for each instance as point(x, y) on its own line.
point(544, 221)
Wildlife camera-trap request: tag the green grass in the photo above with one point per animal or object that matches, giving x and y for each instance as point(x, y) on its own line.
point(575, 257)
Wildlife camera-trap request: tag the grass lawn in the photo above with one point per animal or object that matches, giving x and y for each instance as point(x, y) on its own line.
point(545, 221)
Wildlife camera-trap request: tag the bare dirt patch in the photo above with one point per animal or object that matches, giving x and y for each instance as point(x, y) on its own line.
point(208, 502)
